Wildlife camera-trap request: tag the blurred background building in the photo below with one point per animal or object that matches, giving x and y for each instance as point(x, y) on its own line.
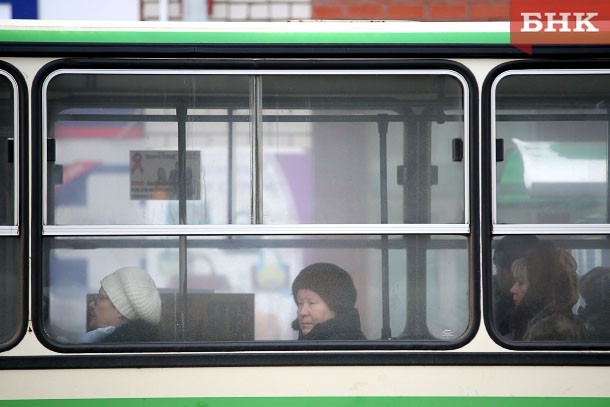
point(255, 10)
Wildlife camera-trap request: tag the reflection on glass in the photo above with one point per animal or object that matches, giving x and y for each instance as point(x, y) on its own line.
point(552, 290)
point(240, 288)
point(555, 133)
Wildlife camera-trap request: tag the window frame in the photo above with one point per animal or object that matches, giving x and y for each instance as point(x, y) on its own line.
point(469, 228)
point(491, 228)
point(20, 224)
point(260, 228)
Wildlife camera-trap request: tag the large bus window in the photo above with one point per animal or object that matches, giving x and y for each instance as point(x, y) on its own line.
point(551, 178)
point(11, 280)
point(220, 187)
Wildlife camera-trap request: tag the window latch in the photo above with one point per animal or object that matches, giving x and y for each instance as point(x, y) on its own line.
point(499, 150)
point(10, 150)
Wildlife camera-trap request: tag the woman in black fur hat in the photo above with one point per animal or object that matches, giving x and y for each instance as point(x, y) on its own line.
point(326, 297)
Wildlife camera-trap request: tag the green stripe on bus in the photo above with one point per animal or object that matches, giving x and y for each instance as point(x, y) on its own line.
point(322, 402)
point(169, 37)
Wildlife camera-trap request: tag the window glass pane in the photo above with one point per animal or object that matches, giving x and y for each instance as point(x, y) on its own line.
point(322, 157)
point(120, 136)
point(239, 288)
point(11, 279)
point(7, 168)
point(552, 288)
point(334, 148)
point(555, 132)
point(11, 288)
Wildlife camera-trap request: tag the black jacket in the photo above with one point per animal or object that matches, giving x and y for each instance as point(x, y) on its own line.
point(502, 309)
point(345, 326)
point(597, 323)
point(133, 331)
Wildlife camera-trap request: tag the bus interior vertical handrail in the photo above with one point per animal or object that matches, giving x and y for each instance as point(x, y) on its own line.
point(181, 116)
point(230, 174)
point(416, 198)
point(608, 168)
point(382, 128)
point(256, 130)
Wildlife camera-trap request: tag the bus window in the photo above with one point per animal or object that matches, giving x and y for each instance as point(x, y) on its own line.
point(123, 141)
point(223, 185)
point(553, 126)
point(552, 289)
point(555, 167)
point(334, 148)
point(244, 274)
point(11, 284)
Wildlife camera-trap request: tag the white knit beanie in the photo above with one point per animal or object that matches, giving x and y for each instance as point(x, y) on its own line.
point(134, 294)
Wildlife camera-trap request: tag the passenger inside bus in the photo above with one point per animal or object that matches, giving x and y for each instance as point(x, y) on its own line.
point(507, 250)
point(326, 304)
point(126, 309)
point(544, 292)
point(595, 290)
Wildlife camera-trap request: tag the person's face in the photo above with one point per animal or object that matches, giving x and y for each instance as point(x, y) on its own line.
point(311, 310)
point(520, 287)
point(102, 312)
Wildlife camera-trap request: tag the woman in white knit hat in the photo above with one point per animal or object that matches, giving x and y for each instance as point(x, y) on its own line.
point(126, 309)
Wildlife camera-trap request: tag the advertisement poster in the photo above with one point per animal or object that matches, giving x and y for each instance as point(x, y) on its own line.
point(154, 175)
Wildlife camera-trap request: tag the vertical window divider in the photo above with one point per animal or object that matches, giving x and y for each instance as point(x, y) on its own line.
point(181, 117)
point(230, 175)
point(256, 150)
point(382, 127)
point(608, 167)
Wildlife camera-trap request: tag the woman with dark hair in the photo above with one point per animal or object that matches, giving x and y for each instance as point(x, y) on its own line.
point(326, 304)
point(544, 292)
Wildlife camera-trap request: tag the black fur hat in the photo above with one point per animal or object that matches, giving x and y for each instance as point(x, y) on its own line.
point(330, 282)
point(510, 248)
point(595, 287)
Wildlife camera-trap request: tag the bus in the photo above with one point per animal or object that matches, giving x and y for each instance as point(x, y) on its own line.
point(461, 184)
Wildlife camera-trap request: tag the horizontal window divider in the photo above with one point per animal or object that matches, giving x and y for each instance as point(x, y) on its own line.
point(222, 230)
point(519, 117)
point(556, 229)
point(216, 118)
point(246, 242)
point(9, 230)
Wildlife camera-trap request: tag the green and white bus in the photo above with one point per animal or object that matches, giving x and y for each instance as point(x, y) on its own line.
point(223, 158)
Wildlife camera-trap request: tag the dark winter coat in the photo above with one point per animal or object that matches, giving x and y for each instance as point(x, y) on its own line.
point(555, 324)
point(345, 326)
point(133, 331)
point(597, 323)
